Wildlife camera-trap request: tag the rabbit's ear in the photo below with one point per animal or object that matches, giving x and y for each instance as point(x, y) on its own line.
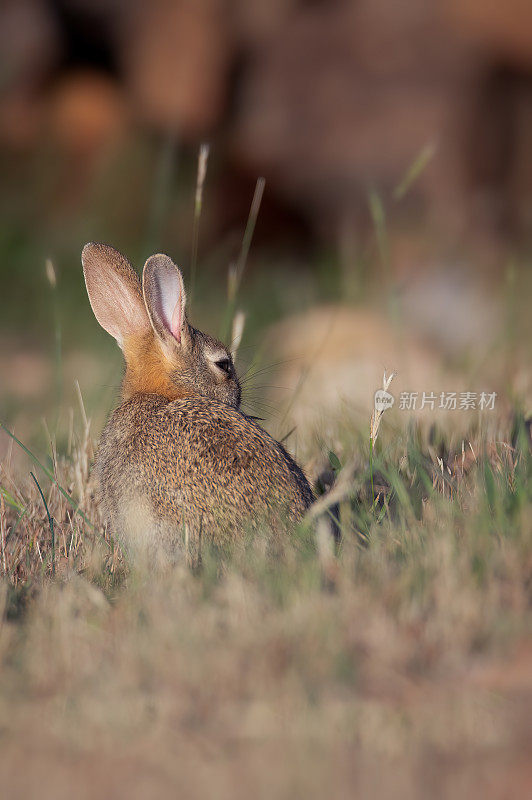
point(114, 291)
point(165, 298)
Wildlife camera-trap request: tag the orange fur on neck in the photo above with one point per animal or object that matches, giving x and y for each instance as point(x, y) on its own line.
point(148, 369)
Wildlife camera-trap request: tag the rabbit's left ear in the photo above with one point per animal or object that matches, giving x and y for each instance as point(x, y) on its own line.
point(165, 298)
point(114, 291)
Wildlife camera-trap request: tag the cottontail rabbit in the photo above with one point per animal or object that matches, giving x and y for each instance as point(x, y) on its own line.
point(177, 459)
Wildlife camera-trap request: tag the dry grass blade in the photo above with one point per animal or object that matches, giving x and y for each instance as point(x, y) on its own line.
point(203, 158)
point(239, 321)
point(235, 274)
point(236, 269)
point(377, 413)
point(50, 521)
point(343, 487)
point(3, 532)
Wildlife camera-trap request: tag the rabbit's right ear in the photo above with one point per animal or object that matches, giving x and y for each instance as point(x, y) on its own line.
point(165, 298)
point(114, 291)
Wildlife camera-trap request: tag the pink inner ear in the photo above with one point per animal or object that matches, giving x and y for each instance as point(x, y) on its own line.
point(168, 296)
point(175, 324)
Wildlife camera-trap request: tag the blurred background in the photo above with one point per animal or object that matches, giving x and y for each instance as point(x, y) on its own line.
point(396, 144)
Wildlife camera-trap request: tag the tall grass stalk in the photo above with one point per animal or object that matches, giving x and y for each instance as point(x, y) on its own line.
point(374, 425)
point(203, 158)
point(419, 164)
point(236, 269)
point(3, 532)
point(50, 521)
point(239, 321)
point(58, 357)
point(378, 216)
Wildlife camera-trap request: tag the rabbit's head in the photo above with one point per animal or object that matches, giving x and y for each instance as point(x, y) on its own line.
point(164, 354)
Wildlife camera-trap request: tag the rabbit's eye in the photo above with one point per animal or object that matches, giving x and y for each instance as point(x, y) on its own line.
point(225, 365)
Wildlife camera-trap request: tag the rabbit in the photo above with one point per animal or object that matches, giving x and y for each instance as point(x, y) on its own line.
point(178, 459)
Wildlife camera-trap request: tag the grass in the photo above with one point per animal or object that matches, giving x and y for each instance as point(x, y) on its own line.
point(269, 666)
point(383, 650)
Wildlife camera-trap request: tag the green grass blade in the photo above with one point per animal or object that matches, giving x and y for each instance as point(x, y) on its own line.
point(414, 171)
point(51, 476)
point(10, 500)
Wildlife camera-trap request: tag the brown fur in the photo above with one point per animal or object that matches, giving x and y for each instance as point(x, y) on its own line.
point(149, 369)
point(197, 465)
point(177, 459)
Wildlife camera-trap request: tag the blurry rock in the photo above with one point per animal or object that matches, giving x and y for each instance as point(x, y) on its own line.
point(332, 360)
point(175, 55)
point(87, 111)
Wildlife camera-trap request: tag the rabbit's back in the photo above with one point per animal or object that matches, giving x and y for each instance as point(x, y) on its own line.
point(172, 466)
